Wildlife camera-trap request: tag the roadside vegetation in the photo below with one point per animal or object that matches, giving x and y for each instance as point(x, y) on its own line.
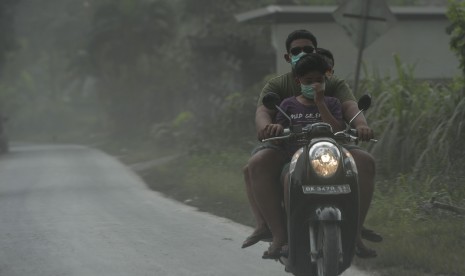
point(141, 98)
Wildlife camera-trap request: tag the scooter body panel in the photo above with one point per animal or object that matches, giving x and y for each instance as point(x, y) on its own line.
point(308, 210)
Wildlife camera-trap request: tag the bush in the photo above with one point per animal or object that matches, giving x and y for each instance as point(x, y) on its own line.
point(419, 124)
point(456, 14)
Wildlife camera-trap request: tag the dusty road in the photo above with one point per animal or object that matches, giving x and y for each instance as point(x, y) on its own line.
point(72, 210)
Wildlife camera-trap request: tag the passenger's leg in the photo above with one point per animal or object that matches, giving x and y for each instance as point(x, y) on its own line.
point(285, 248)
point(261, 229)
point(285, 179)
point(260, 221)
point(264, 171)
point(366, 176)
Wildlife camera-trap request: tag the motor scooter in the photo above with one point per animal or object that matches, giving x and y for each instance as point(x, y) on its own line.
point(323, 196)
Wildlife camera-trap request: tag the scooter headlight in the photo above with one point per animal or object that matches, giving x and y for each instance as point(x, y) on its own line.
point(324, 159)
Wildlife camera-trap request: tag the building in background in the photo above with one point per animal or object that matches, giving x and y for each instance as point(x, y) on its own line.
point(418, 37)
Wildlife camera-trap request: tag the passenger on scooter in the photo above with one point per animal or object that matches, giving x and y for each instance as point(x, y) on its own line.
point(312, 105)
point(309, 107)
point(262, 172)
point(367, 234)
point(329, 59)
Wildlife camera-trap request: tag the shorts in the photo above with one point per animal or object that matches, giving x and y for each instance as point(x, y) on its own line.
point(266, 145)
point(269, 145)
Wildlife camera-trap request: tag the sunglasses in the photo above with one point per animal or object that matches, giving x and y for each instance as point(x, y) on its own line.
point(297, 50)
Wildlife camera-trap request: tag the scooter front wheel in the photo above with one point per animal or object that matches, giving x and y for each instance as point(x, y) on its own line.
point(328, 248)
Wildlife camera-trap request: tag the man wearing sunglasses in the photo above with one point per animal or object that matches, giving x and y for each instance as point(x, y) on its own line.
point(262, 172)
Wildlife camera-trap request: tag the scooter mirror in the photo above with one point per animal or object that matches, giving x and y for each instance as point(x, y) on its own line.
point(271, 100)
point(364, 102)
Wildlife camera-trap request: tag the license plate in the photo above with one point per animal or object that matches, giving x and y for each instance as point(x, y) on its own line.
point(326, 189)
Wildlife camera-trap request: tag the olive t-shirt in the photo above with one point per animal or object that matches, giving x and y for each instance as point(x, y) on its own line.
point(286, 86)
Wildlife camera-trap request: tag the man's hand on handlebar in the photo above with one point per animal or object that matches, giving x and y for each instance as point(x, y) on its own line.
point(365, 133)
point(270, 130)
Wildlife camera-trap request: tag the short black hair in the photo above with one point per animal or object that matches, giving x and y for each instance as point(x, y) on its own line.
point(327, 54)
point(310, 63)
point(300, 34)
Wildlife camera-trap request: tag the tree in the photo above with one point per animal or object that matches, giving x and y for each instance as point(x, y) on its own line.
point(226, 56)
point(456, 14)
point(7, 41)
point(126, 52)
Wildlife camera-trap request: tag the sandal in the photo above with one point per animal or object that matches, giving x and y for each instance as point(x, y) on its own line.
point(273, 252)
point(365, 253)
point(370, 235)
point(256, 237)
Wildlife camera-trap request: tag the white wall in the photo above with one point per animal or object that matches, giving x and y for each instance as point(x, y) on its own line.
point(423, 43)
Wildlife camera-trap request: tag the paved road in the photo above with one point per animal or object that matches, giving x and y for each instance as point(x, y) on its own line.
point(72, 210)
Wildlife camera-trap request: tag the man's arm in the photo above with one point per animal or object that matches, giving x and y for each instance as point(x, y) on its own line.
point(265, 117)
point(342, 91)
point(349, 109)
point(264, 123)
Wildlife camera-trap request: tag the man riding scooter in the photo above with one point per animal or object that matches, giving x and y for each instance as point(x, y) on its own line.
point(263, 188)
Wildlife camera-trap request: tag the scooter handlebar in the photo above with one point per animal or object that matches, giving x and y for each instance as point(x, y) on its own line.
point(285, 135)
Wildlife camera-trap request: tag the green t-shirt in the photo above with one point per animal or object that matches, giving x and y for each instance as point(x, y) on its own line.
point(286, 86)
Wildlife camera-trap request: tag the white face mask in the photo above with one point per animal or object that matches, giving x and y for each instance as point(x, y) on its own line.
point(296, 58)
point(308, 90)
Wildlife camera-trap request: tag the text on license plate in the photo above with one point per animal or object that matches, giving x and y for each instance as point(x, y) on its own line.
point(326, 189)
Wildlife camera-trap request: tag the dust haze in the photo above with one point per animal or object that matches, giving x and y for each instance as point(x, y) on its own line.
point(133, 70)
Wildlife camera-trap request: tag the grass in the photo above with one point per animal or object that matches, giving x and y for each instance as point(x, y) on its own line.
point(430, 246)
point(211, 182)
point(415, 121)
point(417, 237)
